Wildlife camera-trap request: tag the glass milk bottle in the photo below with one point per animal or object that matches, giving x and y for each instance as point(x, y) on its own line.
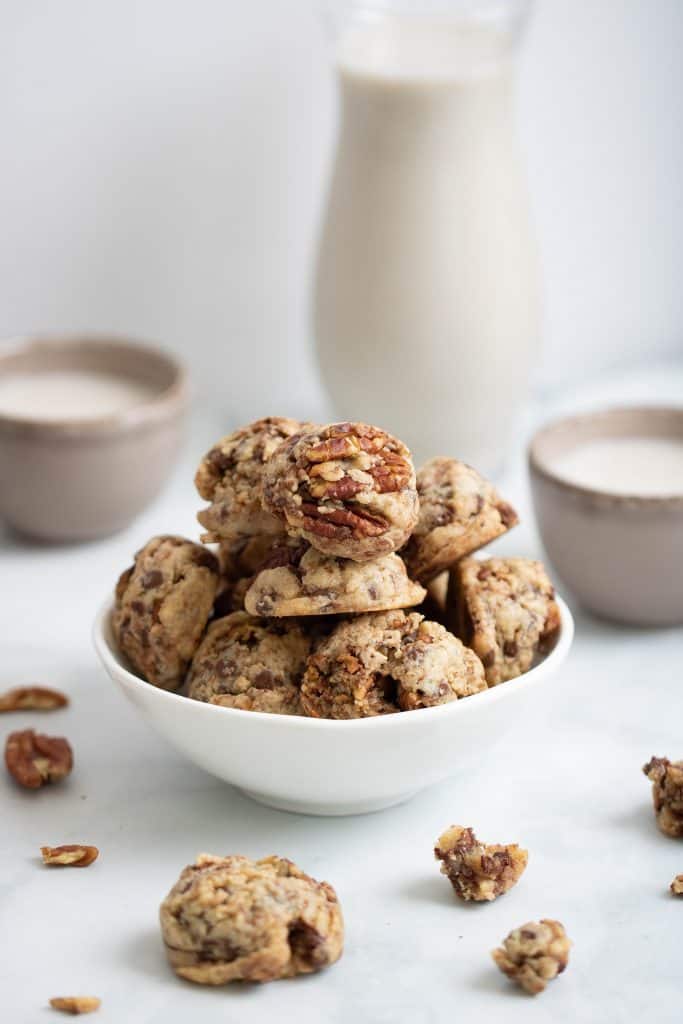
point(426, 297)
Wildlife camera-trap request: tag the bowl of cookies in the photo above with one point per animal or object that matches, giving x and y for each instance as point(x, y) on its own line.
point(331, 644)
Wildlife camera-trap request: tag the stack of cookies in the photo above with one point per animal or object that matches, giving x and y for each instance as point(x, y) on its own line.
point(342, 585)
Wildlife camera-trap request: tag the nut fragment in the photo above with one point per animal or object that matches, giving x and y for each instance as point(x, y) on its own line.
point(478, 872)
point(75, 1004)
point(667, 793)
point(677, 885)
point(534, 954)
point(69, 856)
point(33, 759)
point(32, 698)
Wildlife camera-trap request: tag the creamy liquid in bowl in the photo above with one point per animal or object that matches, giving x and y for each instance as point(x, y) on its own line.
point(644, 466)
point(54, 395)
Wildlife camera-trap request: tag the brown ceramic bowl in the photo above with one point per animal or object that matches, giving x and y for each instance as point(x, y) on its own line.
point(621, 555)
point(71, 480)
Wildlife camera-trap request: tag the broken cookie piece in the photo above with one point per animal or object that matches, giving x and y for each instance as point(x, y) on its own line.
point(667, 794)
point(534, 954)
point(677, 886)
point(234, 919)
point(477, 871)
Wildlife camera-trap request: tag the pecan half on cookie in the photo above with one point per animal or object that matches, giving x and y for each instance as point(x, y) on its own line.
point(460, 511)
point(234, 919)
point(348, 489)
point(229, 477)
point(163, 603)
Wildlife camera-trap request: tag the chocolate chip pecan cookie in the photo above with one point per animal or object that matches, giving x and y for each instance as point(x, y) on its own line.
point(234, 919)
point(477, 871)
point(534, 954)
point(229, 476)
point(460, 511)
point(505, 610)
point(348, 489)
point(310, 583)
point(252, 664)
point(384, 662)
point(667, 793)
point(163, 603)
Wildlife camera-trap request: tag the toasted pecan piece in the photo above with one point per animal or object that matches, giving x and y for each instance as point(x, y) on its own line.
point(33, 759)
point(346, 488)
point(75, 1004)
point(32, 698)
point(70, 856)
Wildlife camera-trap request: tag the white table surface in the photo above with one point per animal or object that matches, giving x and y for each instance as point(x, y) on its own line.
point(566, 784)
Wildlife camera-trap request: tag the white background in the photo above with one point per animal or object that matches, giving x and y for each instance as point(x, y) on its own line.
point(163, 166)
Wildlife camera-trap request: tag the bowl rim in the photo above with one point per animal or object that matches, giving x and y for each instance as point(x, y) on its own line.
point(552, 661)
point(540, 466)
point(158, 407)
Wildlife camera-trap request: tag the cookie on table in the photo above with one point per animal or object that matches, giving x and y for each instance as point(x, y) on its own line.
point(233, 919)
point(162, 605)
point(505, 610)
point(252, 664)
point(534, 954)
point(229, 477)
point(667, 794)
point(475, 870)
point(303, 581)
point(347, 488)
point(384, 662)
point(460, 512)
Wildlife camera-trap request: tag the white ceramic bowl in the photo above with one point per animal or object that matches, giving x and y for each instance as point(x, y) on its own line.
point(319, 766)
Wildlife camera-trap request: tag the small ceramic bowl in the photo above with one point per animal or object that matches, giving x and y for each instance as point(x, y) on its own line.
point(320, 766)
point(72, 480)
point(621, 555)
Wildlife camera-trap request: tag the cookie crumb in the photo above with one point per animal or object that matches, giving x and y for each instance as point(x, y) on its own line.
point(477, 871)
point(667, 794)
point(677, 886)
point(534, 954)
point(75, 1004)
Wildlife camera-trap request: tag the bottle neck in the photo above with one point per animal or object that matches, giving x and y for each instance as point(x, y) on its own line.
point(440, 42)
